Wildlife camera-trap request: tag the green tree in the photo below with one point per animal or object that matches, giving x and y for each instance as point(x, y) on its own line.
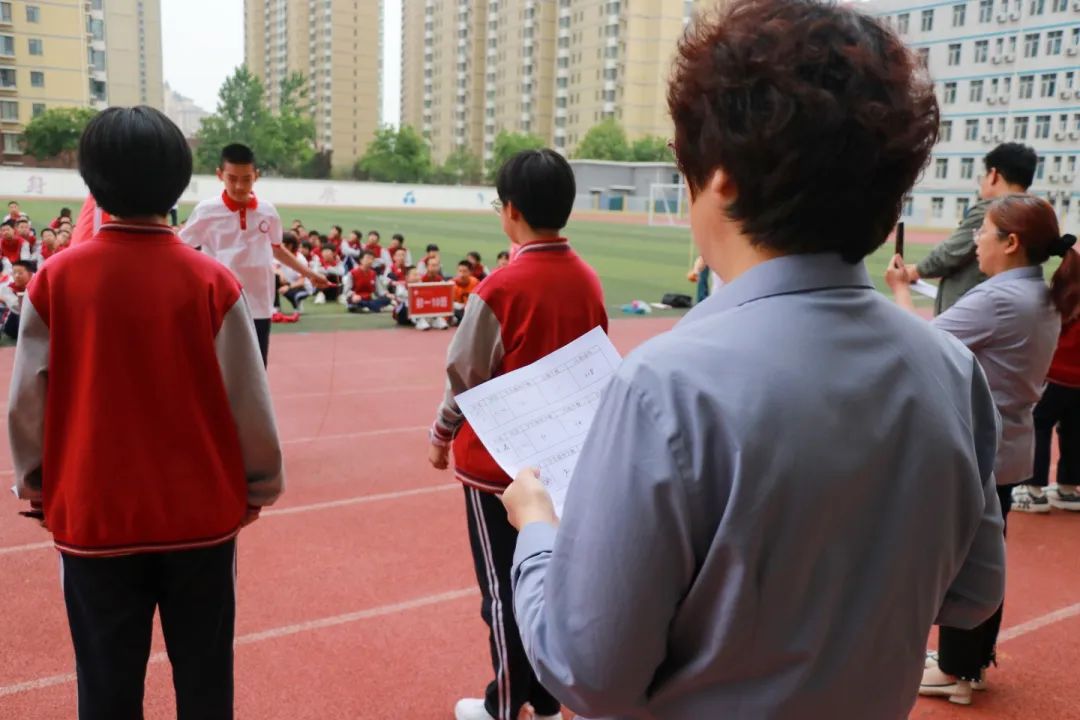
point(651, 148)
point(283, 141)
point(56, 132)
point(461, 168)
point(604, 141)
point(400, 155)
point(508, 144)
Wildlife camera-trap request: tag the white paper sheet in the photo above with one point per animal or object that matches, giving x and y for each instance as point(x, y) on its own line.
point(924, 288)
point(538, 416)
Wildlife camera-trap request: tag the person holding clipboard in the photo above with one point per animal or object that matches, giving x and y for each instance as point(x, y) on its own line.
point(747, 532)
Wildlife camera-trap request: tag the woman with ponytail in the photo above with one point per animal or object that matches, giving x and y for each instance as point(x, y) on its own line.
point(1011, 324)
point(1060, 404)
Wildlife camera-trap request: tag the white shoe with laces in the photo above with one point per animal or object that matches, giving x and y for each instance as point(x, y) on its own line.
point(1030, 499)
point(439, 323)
point(932, 663)
point(1064, 497)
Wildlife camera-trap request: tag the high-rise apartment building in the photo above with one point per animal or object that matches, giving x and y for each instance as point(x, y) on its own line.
point(553, 68)
point(83, 53)
point(1005, 71)
point(337, 46)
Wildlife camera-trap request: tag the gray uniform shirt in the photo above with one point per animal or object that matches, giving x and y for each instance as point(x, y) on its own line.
point(770, 512)
point(1010, 325)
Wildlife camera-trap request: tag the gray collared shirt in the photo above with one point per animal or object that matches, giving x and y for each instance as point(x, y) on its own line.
point(770, 512)
point(1010, 325)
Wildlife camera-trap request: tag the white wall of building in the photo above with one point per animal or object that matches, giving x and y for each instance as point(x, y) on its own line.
point(33, 183)
point(984, 56)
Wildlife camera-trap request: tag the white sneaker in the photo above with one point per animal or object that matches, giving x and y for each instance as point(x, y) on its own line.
point(423, 324)
point(439, 323)
point(1030, 499)
point(341, 299)
point(1064, 497)
point(932, 662)
point(471, 709)
point(935, 683)
point(320, 298)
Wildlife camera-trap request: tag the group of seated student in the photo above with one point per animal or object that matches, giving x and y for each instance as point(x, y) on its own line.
point(369, 277)
point(23, 248)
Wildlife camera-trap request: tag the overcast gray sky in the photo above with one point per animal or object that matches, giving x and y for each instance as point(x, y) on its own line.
point(203, 42)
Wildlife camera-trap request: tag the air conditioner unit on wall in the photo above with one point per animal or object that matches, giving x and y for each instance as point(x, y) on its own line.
point(1065, 94)
point(1054, 177)
point(1068, 177)
point(992, 100)
point(987, 138)
point(1002, 17)
point(999, 138)
point(996, 59)
point(1074, 50)
point(1014, 15)
point(1060, 135)
point(1010, 57)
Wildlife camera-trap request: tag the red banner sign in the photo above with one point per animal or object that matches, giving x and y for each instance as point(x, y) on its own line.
point(431, 299)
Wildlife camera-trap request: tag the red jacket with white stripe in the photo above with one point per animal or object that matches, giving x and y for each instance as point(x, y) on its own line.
point(140, 425)
point(545, 298)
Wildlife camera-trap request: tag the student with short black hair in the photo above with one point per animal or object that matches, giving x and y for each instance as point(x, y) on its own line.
point(701, 569)
point(47, 246)
point(12, 293)
point(142, 433)
point(362, 291)
point(511, 320)
point(65, 214)
point(1010, 169)
point(502, 259)
point(431, 253)
point(476, 265)
point(245, 233)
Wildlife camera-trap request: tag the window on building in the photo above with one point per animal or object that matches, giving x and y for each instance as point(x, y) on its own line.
point(1060, 5)
point(1038, 7)
point(924, 56)
point(967, 168)
point(1027, 87)
point(908, 208)
point(1040, 168)
point(1020, 128)
point(962, 205)
point(1031, 45)
point(986, 10)
point(903, 21)
point(36, 109)
point(12, 144)
point(7, 45)
point(1049, 85)
point(941, 168)
point(33, 13)
point(971, 130)
point(982, 51)
point(976, 94)
point(1042, 127)
point(937, 207)
point(1053, 42)
point(36, 47)
point(946, 131)
point(959, 15)
point(7, 77)
point(954, 54)
point(928, 20)
point(9, 110)
point(950, 93)
point(37, 79)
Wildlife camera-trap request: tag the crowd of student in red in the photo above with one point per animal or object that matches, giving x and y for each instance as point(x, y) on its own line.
point(23, 248)
point(370, 277)
point(367, 276)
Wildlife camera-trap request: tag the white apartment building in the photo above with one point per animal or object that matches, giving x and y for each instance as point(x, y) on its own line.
point(1005, 71)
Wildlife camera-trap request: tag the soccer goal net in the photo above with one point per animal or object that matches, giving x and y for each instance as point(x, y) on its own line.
point(669, 205)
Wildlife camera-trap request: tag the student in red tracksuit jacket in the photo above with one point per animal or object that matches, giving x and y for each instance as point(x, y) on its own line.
point(511, 320)
point(142, 433)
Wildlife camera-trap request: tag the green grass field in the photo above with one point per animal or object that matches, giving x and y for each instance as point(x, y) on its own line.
point(635, 262)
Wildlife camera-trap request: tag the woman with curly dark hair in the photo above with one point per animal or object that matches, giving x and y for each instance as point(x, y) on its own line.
point(770, 511)
point(1011, 323)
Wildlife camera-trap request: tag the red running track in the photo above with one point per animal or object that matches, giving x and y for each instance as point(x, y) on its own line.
point(356, 593)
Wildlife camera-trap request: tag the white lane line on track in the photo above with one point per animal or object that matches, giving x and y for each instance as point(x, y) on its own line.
point(312, 507)
point(274, 633)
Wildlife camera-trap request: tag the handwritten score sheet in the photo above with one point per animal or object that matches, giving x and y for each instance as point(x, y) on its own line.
point(538, 416)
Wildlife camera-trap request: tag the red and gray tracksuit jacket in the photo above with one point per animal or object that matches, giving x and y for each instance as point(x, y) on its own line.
point(545, 298)
point(140, 425)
